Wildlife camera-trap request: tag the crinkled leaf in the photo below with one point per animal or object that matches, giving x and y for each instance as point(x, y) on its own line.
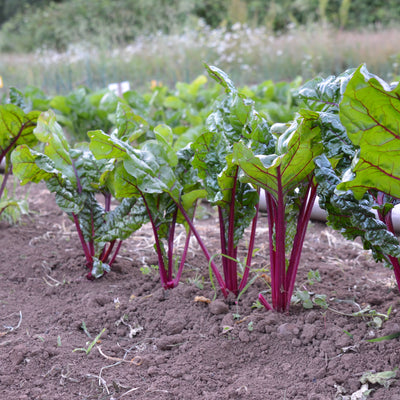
point(121, 222)
point(293, 161)
point(210, 151)
point(334, 137)
point(32, 166)
point(246, 198)
point(323, 94)
point(92, 173)
point(353, 218)
point(105, 146)
point(129, 125)
point(231, 117)
point(222, 78)
point(66, 195)
point(99, 268)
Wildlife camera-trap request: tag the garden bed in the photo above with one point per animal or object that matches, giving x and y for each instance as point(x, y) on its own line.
point(174, 344)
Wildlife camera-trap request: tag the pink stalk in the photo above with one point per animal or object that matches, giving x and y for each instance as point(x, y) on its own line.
point(271, 211)
point(250, 249)
point(89, 259)
point(115, 253)
point(223, 241)
point(264, 302)
point(175, 282)
point(163, 275)
point(280, 234)
point(3, 184)
point(214, 268)
point(107, 201)
point(107, 253)
point(302, 224)
point(231, 279)
point(171, 235)
point(388, 221)
point(396, 268)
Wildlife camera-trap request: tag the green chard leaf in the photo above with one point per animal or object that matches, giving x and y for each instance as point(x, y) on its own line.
point(16, 128)
point(210, 152)
point(293, 160)
point(129, 125)
point(324, 94)
point(126, 218)
point(25, 167)
point(77, 177)
point(370, 112)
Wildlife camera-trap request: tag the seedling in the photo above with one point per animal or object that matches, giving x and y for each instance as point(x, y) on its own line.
point(350, 335)
point(90, 345)
point(387, 337)
point(148, 270)
point(197, 281)
point(257, 304)
point(83, 326)
point(313, 276)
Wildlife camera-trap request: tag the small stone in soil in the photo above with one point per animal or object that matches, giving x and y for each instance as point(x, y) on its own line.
point(218, 307)
point(288, 330)
point(168, 342)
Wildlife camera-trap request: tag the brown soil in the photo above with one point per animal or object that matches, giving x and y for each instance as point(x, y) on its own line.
point(166, 345)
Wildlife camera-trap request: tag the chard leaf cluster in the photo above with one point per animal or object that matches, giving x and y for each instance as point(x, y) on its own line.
point(76, 177)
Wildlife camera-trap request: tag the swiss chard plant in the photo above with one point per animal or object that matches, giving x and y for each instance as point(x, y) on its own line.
point(287, 176)
point(76, 177)
point(237, 202)
point(16, 128)
point(369, 187)
point(161, 178)
point(353, 118)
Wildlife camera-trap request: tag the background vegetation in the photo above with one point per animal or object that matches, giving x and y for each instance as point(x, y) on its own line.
point(59, 45)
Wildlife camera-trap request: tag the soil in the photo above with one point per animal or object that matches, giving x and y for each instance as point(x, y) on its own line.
point(175, 344)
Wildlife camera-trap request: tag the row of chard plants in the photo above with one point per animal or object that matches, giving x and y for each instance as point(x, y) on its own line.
point(342, 146)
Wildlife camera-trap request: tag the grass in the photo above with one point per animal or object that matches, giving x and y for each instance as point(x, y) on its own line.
point(248, 55)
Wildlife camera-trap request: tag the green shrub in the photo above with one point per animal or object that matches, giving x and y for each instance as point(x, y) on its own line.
point(100, 22)
point(110, 23)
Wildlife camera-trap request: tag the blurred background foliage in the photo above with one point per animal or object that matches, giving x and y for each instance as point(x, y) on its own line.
point(60, 45)
point(55, 24)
